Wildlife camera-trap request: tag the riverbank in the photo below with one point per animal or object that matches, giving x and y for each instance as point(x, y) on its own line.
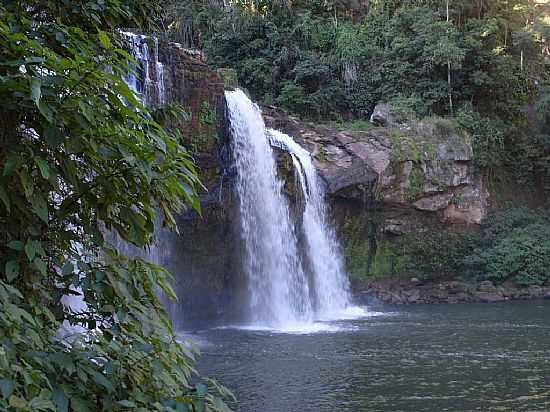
point(415, 291)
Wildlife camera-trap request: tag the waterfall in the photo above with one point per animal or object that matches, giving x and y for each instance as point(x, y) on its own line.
point(147, 78)
point(278, 287)
point(323, 251)
point(281, 291)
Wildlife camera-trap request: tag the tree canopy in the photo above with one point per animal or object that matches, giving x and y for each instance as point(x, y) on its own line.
point(484, 62)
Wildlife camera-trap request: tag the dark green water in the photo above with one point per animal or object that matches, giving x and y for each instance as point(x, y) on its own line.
point(419, 358)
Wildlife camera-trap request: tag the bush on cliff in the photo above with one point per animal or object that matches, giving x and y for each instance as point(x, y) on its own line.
point(511, 245)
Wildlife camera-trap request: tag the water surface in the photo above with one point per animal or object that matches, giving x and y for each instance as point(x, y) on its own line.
point(474, 357)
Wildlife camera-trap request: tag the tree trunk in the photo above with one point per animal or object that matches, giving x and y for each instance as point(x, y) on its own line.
point(521, 60)
point(451, 109)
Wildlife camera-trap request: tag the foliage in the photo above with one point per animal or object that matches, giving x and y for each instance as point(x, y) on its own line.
point(81, 157)
point(511, 245)
point(523, 256)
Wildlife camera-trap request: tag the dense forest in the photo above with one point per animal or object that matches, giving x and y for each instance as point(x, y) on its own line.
point(82, 157)
point(482, 63)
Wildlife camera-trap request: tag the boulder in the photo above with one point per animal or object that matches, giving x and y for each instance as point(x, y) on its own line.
point(535, 291)
point(490, 297)
point(384, 115)
point(547, 295)
point(486, 286)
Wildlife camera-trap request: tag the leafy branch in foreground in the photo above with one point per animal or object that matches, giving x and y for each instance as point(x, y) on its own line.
point(81, 156)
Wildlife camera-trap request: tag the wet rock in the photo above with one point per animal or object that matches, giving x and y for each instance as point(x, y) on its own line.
point(547, 295)
point(535, 292)
point(490, 297)
point(423, 169)
point(413, 296)
point(456, 287)
point(486, 286)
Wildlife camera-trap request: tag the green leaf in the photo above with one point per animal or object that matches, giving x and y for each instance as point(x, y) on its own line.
point(127, 404)
point(60, 400)
point(202, 389)
point(53, 137)
point(41, 404)
point(31, 249)
point(5, 199)
point(43, 166)
point(17, 402)
point(41, 266)
point(40, 207)
point(45, 111)
point(101, 380)
point(80, 405)
point(104, 39)
point(6, 387)
point(68, 268)
point(26, 182)
point(16, 245)
point(12, 270)
point(36, 92)
point(13, 162)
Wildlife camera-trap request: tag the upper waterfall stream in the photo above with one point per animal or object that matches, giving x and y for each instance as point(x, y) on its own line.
point(284, 291)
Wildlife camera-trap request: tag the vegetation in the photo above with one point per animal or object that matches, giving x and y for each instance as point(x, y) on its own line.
point(511, 245)
point(80, 158)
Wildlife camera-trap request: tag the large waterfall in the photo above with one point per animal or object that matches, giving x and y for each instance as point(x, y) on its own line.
point(279, 291)
point(282, 292)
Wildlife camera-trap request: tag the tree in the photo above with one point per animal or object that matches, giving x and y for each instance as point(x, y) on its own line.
point(80, 156)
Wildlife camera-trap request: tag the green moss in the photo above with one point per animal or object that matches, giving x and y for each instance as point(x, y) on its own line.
point(353, 125)
point(417, 179)
point(229, 78)
point(321, 155)
point(207, 116)
point(202, 134)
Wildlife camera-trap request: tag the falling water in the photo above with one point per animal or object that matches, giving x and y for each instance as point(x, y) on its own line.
point(331, 283)
point(147, 78)
point(279, 292)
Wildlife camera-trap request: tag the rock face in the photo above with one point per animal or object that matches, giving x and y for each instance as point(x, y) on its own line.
point(203, 257)
point(421, 172)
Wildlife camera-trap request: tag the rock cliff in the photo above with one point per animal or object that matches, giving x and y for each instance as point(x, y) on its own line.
point(420, 173)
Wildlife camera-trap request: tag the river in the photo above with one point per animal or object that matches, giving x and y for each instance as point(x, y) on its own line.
point(473, 357)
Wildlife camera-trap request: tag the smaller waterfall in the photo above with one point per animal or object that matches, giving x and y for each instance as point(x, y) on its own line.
point(323, 251)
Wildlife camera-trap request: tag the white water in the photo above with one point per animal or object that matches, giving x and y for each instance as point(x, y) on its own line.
point(323, 251)
point(282, 295)
point(147, 79)
point(278, 288)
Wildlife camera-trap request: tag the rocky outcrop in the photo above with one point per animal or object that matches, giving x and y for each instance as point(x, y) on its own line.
point(421, 170)
point(414, 291)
